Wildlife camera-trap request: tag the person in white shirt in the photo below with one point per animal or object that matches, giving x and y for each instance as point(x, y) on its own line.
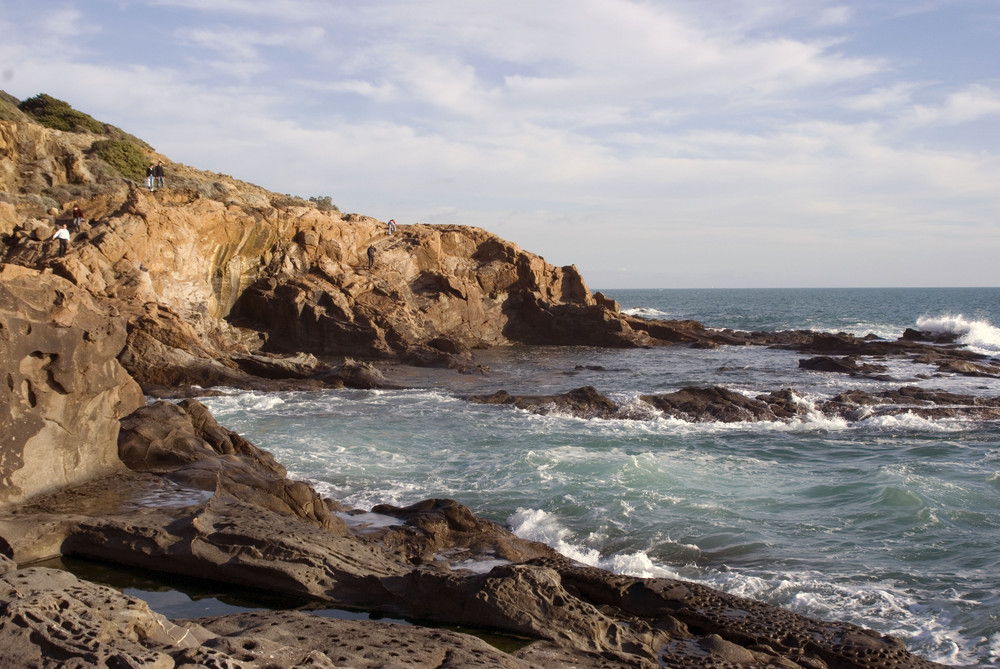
point(62, 234)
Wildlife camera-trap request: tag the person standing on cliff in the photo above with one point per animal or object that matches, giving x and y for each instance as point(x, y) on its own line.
point(392, 225)
point(62, 234)
point(158, 173)
point(149, 177)
point(371, 257)
point(77, 217)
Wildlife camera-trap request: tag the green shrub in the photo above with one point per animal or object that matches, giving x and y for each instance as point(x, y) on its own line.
point(324, 203)
point(53, 113)
point(123, 156)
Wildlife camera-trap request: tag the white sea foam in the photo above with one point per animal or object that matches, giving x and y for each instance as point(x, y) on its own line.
point(538, 525)
point(645, 312)
point(979, 335)
point(927, 628)
point(244, 401)
point(879, 605)
point(911, 422)
point(478, 566)
point(367, 522)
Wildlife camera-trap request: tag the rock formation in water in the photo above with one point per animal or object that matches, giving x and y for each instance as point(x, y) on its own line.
point(721, 405)
point(211, 281)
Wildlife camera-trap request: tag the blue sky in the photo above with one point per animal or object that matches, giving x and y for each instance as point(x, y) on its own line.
point(659, 144)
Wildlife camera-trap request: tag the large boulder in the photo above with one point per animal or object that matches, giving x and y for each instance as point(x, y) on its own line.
point(185, 442)
point(65, 391)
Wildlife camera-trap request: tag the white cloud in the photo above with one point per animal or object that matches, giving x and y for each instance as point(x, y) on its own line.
point(882, 98)
point(969, 104)
point(728, 142)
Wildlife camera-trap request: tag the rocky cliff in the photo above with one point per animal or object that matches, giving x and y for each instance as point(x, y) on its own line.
point(205, 282)
point(211, 266)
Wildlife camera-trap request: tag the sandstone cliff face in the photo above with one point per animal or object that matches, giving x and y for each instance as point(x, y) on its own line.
point(209, 251)
point(65, 390)
point(35, 157)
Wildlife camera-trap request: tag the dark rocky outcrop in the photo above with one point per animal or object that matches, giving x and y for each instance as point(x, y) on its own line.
point(584, 402)
point(845, 365)
point(935, 404)
point(714, 404)
point(721, 405)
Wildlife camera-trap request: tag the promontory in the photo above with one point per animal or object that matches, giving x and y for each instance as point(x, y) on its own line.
point(163, 293)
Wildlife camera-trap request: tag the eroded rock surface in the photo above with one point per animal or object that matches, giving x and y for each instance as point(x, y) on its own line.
point(64, 389)
point(49, 618)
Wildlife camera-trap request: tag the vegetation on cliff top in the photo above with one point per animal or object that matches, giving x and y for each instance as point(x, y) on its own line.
point(9, 110)
point(123, 156)
point(114, 154)
point(59, 115)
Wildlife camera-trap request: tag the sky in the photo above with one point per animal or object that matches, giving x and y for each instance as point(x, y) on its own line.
point(651, 143)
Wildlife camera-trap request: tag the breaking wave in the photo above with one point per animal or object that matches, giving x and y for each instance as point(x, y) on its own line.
point(979, 335)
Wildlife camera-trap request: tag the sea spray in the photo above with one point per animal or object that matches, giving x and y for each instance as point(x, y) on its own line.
point(978, 335)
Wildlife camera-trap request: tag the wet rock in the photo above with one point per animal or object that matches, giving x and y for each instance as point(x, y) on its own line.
point(715, 404)
point(435, 526)
point(585, 402)
point(966, 368)
point(845, 365)
point(930, 337)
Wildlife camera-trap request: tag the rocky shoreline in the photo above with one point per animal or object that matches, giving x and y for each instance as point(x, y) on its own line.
point(214, 282)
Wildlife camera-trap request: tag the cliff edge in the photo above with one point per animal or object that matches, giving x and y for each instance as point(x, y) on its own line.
point(208, 266)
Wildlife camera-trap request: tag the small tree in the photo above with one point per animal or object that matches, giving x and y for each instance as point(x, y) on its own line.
point(324, 203)
point(53, 113)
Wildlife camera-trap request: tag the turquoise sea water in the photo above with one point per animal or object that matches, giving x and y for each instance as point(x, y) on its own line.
point(890, 523)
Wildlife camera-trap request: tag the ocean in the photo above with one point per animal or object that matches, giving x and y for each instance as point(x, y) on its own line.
point(892, 523)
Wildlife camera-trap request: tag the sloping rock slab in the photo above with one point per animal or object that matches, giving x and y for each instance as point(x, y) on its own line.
point(348, 643)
